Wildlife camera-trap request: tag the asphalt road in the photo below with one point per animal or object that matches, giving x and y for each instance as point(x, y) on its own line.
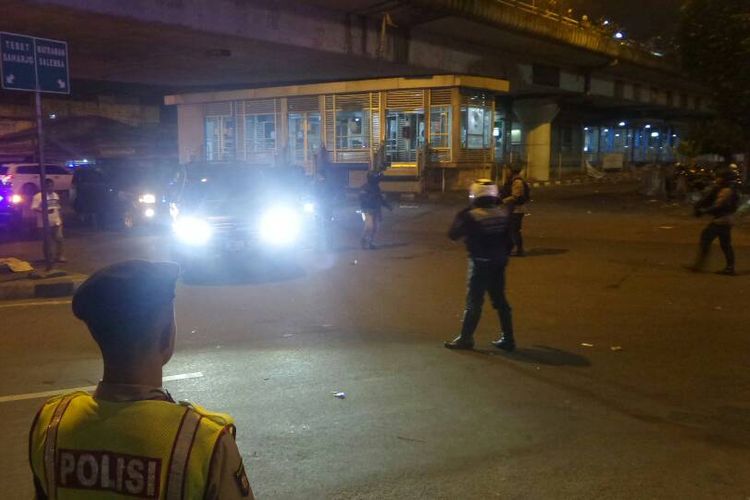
point(664, 415)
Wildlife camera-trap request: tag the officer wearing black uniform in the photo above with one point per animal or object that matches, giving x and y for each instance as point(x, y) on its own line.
point(484, 228)
point(721, 203)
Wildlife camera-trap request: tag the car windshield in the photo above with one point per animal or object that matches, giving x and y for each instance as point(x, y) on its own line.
point(217, 187)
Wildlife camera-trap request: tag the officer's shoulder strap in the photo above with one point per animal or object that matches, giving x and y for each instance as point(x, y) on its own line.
point(221, 419)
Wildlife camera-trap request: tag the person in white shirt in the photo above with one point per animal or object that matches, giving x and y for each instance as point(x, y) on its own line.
point(55, 220)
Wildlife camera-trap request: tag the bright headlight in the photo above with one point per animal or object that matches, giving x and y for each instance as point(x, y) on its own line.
point(147, 198)
point(192, 231)
point(149, 213)
point(280, 226)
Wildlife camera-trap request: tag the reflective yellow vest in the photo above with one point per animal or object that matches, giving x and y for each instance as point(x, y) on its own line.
point(83, 448)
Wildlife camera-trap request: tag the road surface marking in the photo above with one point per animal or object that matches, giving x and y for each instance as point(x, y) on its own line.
point(89, 388)
point(36, 303)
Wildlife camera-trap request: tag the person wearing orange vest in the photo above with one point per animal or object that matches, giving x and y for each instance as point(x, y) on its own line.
point(130, 438)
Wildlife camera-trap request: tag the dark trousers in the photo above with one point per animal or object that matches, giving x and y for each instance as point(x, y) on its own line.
point(713, 231)
point(372, 221)
point(486, 275)
point(516, 237)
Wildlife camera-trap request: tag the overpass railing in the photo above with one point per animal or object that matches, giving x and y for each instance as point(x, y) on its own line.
point(552, 10)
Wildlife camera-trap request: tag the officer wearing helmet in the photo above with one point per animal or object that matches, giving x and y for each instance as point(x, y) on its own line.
point(130, 438)
point(483, 226)
point(721, 202)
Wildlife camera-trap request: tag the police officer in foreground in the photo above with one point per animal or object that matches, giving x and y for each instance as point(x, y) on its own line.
point(130, 439)
point(484, 228)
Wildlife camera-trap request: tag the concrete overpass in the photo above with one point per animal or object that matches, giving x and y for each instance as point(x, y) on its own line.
point(555, 65)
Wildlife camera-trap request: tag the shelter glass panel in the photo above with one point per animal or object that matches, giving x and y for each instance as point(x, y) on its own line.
point(220, 138)
point(476, 127)
point(351, 130)
point(260, 133)
point(440, 127)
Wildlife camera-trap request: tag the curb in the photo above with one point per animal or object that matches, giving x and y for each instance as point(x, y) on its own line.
point(609, 179)
point(49, 288)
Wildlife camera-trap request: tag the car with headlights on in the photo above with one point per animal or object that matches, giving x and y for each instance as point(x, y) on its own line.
point(224, 211)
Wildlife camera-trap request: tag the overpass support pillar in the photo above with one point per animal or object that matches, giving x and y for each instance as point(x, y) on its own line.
point(536, 118)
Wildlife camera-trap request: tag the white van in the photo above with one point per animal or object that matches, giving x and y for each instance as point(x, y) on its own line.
point(24, 177)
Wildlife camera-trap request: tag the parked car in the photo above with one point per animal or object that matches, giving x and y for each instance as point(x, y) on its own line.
point(122, 194)
point(23, 178)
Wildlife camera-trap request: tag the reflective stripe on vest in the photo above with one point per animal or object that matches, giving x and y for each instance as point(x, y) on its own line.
point(93, 449)
point(50, 446)
point(180, 454)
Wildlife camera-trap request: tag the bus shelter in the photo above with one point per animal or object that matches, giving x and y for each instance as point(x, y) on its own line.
point(422, 133)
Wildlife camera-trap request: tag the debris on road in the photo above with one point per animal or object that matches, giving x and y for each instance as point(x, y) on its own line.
point(339, 395)
point(586, 344)
point(412, 440)
point(665, 227)
point(616, 348)
point(15, 265)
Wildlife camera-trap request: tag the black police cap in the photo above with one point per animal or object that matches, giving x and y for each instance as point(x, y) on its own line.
point(124, 290)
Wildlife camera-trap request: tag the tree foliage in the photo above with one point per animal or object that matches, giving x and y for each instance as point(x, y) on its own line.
point(714, 37)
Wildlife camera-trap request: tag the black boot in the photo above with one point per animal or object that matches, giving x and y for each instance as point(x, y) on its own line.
point(505, 342)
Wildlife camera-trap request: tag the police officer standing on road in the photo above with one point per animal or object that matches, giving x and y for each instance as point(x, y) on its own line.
point(484, 228)
point(721, 202)
point(516, 193)
point(130, 438)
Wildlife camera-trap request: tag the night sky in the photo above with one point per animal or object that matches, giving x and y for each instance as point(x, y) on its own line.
point(642, 19)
